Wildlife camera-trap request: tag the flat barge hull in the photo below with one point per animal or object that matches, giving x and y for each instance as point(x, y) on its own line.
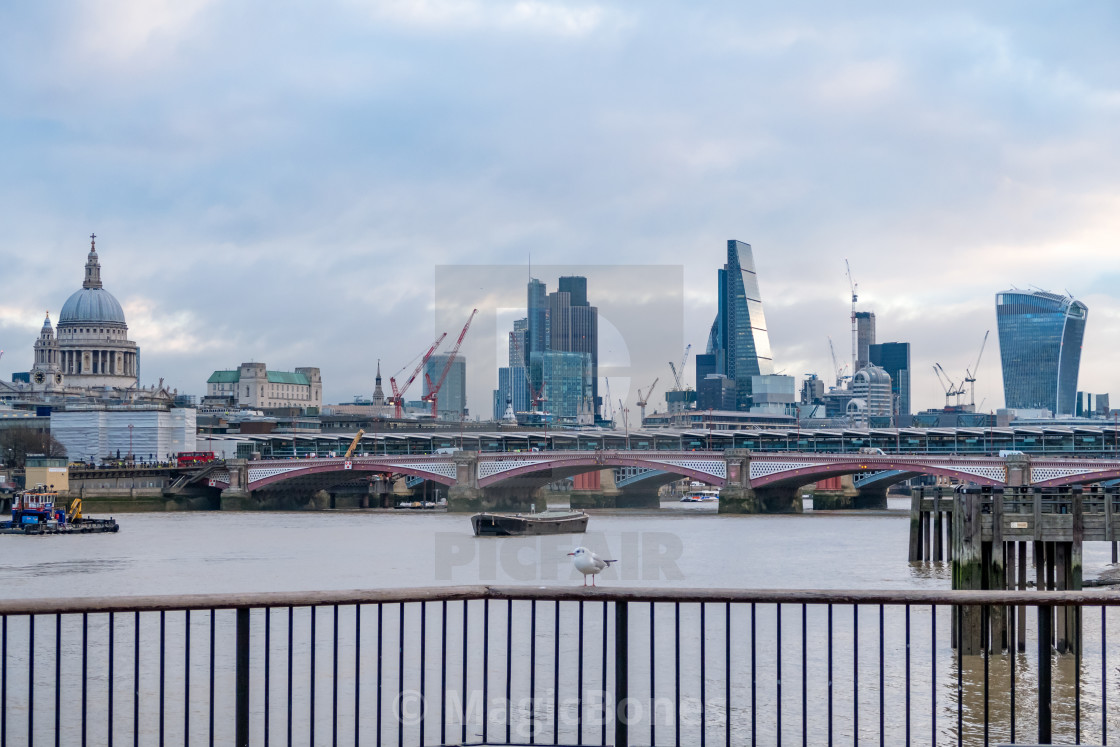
point(85, 526)
point(504, 525)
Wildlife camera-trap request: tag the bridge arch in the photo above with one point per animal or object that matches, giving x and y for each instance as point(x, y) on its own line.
point(494, 472)
point(801, 476)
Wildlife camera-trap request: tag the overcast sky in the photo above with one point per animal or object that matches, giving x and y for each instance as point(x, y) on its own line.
point(280, 181)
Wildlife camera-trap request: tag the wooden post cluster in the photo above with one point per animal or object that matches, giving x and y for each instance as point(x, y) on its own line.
point(990, 532)
point(931, 529)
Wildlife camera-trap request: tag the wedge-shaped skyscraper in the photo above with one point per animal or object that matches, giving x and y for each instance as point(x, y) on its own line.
point(738, 339)
point(1040, 338)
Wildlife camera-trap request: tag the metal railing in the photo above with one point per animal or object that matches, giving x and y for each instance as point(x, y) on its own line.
point(550, 666)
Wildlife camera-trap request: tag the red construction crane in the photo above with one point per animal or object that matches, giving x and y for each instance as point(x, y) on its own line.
point(398, 394)
point(433, 389)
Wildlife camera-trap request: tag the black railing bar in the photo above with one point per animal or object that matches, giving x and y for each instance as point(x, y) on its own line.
point(135, 681)
point(606, 623)
point(311, 680)
point(57, 680)
point(1104, 676)
point(211, 700)
point(358, 666)
point(109, 710)
point(579, 676)
point(77, 605)
point(532, 673)
point(334, 678)
point(778, 671)
point(187, 681)
point(400, 671)
point(162, 670)
point(85, 673)
point(291, 699)
point(703, 680)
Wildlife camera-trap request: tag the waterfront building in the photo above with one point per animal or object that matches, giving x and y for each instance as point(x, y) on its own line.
point(574, 325)
point(452, 403)
point(865, 337)
point(871, 395)
point(90, 348)
point(252, 385)
point(146, 433)
point(894, 358)
point(775, 394)
point(1092, 405)
point(567, 385)
point(1040, 336)
point(738, 339)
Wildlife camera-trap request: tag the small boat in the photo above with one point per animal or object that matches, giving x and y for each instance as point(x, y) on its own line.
point(550, 521)
point(34, 512)
point(700, 497)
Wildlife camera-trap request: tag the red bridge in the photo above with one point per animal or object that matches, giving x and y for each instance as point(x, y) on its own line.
point(749, 481)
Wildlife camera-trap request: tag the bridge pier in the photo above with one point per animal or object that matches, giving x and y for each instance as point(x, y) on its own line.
point(835, 493)
point(237, 497)
point(739, 496)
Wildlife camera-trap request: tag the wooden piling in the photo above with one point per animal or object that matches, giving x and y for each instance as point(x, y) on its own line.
point(1021, 627)
point(916, 525)
point(1061, 571)
point(926, 526)
point(997, 578)
point(938, 555)
point(968, 571)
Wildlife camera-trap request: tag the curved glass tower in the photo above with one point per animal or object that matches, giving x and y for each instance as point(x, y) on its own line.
point(738, 338)
point(1040, 338)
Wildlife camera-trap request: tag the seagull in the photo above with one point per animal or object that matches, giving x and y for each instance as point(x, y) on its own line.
point(588, 563)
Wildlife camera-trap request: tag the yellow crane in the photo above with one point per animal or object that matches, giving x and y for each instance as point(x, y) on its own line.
point(354, 443)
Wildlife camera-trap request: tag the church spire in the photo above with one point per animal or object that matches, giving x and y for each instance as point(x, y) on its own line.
point(93, 266)
point(378, 392)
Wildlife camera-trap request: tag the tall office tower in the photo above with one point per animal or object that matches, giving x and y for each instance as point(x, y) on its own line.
point(871, 386)
point(538, 317)
point(1040, 338)
point(536, 336)
point(520, 344)
point(453, 394)
point(574, 325)
point(865, 337)
point(894, 358)
point(738, 338)
point(576, 286)
point(567, 385)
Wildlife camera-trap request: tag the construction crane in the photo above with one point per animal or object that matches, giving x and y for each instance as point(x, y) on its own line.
point(610, 405)
point(398, 393)
point(678, 371)
point(839, 369)
point(644, 400)
point(354, 443)
point(536, 396)
point(854, 287)
point(970, 375)
point(951, 389)
point(433, 389)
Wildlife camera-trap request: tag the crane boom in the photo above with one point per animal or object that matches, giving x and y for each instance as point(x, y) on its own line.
point(644, 400)
point(433, 389)
point(398, 393)
point(970, 375)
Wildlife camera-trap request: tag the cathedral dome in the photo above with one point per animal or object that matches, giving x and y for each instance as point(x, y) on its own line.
point(91, 305)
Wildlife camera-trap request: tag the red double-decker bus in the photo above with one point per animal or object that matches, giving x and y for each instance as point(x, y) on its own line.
point(185, 458)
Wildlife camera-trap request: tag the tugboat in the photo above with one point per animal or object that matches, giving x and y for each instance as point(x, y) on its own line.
point(35, 512)
point(550, 521)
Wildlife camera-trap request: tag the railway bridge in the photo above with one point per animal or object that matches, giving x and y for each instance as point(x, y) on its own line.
point(749, 482)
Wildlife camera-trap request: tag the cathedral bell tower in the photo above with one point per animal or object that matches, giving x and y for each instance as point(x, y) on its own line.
point(46, 374)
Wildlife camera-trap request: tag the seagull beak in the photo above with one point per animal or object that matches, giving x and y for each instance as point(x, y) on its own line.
point(571, 553)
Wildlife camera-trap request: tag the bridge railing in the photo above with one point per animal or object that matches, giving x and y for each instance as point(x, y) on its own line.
point(548, 666)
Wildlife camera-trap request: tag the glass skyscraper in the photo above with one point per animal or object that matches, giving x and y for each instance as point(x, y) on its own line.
point(1040, 338)
point(894, 358)
point(738, 339)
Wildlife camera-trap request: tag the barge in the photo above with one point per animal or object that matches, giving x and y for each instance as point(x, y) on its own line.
point(550, 521)
point(35, 512)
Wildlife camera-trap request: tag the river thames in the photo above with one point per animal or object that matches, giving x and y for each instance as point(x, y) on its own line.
point(685, 546)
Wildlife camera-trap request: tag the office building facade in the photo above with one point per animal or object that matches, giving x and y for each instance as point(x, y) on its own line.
point(1040, 337)
point(452, 398)
point(567, 385)
point(894, 358)
point(865, 337)
point(738, 339)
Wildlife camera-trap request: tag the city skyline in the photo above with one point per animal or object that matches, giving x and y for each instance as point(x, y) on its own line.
point(266, 200)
